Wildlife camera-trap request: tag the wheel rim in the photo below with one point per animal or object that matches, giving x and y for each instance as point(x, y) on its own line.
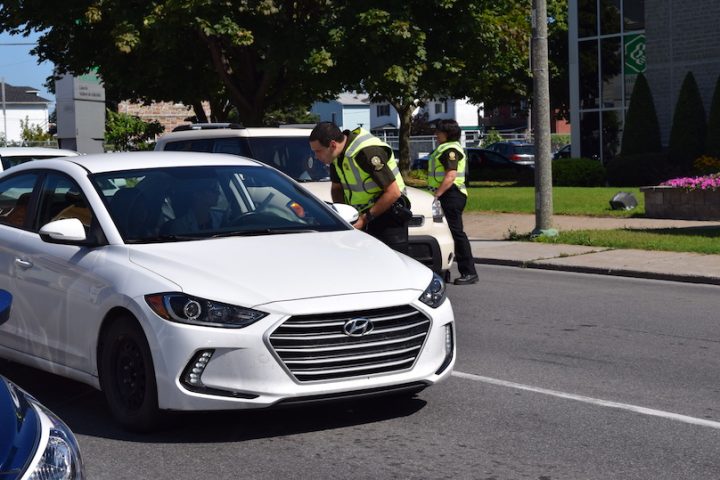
point(130, 374)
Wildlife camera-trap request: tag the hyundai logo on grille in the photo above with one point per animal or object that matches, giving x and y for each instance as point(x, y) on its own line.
point(357, 327)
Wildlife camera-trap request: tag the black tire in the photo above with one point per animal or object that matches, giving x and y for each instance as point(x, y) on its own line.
point(127, 375)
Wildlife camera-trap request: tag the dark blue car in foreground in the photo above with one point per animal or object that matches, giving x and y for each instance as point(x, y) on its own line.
point(34, 443)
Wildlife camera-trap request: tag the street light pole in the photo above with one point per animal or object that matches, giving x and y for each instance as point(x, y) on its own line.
point(541, 121)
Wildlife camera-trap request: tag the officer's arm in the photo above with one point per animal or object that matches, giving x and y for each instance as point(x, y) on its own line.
point(448, 179)
point(391, 193)
point(336, 193)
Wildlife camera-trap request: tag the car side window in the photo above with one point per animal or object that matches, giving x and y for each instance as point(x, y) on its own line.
point(15, 196)
point(61, 198)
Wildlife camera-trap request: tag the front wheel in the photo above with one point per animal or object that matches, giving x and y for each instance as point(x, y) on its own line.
point(127, 376)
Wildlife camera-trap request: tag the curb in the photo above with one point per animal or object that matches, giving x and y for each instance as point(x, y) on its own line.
point(670, 277)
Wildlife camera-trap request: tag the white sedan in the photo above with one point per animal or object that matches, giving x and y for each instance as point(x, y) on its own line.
point(191, 281)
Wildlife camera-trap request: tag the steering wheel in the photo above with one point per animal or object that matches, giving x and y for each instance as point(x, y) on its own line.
point(242, 218)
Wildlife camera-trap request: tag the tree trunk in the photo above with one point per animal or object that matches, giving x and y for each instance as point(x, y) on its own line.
point(405, 112)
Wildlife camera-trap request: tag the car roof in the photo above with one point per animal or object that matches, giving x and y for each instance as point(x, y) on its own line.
point(25, 151)
point(236, 132)
point(112, 162)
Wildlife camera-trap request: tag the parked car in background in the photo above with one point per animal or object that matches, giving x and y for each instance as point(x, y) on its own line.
point(563, 152)
point(34, 442)
point(488, 165)
point(11, 156)
point(480, 158)
point(208, 282)
point(518, 152)
point(288, 150)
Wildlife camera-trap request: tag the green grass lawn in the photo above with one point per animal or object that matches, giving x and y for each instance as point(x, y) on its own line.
point(593, 202)
point(566, 201)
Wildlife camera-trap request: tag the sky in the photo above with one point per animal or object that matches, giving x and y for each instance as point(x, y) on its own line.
point(19, 68)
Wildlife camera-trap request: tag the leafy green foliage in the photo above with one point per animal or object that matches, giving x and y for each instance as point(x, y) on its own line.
point(127, 132)
point(687, 136)
point(642, 129)
point(33, 132)
point(578, 172)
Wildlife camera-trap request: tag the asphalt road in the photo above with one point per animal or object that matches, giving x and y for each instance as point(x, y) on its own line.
point(559, 376)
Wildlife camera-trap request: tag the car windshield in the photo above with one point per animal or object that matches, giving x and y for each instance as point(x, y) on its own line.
point(290, 155)
point(190, 203)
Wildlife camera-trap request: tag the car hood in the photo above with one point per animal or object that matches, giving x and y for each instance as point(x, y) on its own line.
point(251, 271)
point(420, 200)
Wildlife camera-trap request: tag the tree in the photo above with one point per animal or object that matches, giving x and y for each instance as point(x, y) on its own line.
point(642, 129)
point(687, 135)
point(253, 56)
point(439, 49)
point(712, 139)
point(127, 132)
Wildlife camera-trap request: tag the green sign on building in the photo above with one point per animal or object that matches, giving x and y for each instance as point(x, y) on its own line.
point(634, 54)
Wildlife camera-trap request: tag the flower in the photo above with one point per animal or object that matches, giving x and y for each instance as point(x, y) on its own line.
point(707, 182)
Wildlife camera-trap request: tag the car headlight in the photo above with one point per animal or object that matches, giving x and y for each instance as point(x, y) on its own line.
point(179, 307)
point(60, 459)
point(434, 294)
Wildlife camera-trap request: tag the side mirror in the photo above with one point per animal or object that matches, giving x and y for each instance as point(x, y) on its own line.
point(348, 213)
point(67, 230)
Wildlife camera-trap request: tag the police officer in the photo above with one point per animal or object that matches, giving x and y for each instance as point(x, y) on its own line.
point(446, 178)
point(365, 174)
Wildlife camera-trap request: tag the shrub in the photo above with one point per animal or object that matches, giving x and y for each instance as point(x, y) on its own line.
point(687, 136)
point(642, 130)
point(706, 164)
point(491, 137)
point(578, 172)
point(639, 170)
point(712, 139)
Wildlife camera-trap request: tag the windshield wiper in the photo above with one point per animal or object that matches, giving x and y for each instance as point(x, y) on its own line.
point(261, 231)
point(172, 238)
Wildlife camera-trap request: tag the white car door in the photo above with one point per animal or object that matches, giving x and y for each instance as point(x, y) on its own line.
point(15, 211)
point(56, 285)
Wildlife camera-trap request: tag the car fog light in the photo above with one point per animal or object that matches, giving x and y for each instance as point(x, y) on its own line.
point(449, 348)
point(196, 367)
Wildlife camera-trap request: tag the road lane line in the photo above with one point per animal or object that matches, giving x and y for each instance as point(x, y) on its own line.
point(594, 401)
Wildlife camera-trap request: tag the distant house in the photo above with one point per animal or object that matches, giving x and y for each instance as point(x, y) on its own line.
point(348, 111)
point(19, 104)
point(384, 119)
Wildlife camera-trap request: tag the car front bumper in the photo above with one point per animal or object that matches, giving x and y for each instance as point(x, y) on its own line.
point(245, 370)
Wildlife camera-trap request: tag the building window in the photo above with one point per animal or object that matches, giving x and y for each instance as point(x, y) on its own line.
point(441, 107)
point(383, 110)
point(610, 54)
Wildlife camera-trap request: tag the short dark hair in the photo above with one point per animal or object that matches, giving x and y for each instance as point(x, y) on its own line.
point(325, 132)
point(450, 128)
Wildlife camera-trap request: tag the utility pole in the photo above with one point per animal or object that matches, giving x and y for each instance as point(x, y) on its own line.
point(4, 109)
point(541, 121)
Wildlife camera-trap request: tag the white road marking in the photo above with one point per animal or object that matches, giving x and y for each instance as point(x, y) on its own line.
point(590, 400)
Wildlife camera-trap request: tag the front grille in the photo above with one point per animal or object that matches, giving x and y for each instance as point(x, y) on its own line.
point(315, 347)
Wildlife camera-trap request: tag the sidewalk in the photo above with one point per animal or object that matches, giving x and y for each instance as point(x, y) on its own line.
point(488, 232)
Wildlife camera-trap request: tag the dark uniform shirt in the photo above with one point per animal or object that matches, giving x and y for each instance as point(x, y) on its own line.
point(367, 159)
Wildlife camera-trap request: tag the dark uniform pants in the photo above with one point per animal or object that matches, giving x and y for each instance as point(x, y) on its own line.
point(453, 203)
point(390, 230)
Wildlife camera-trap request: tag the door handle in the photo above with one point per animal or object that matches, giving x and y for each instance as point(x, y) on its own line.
point(24, 264)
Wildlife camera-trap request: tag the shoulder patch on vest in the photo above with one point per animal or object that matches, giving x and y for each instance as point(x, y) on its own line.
point(451, 155)
point(376, 163)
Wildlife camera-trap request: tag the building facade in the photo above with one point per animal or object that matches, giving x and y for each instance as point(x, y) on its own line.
point(20, 104)
point(612, 41)
point(348, 111)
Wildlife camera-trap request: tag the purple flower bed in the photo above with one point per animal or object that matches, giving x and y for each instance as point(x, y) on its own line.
point(708, 182)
